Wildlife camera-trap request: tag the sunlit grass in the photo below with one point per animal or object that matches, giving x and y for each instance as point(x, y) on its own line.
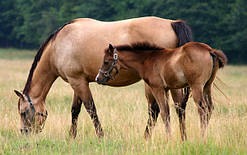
point(123, 115)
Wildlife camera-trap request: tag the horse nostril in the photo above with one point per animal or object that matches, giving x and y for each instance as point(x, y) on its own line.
point(98, 80)
point(24, 131)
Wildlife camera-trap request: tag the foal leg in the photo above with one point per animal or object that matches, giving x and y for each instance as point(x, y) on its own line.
point(197, 93)
point(180, 99)
point(161, 97)
point(208, 99)
point(75, 110)
point(153, 112)
point(81, 87)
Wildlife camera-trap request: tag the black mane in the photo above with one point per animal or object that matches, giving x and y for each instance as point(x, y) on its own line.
point(38, 56)
point(139, 46)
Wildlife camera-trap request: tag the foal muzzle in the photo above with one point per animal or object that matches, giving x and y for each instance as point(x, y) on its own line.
point(106, 75)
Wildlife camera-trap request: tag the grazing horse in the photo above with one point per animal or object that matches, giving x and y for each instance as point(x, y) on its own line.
point(193, 64)
point(73, 52)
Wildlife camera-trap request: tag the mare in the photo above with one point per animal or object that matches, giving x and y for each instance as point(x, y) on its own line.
point(193, 64)
point(73, 53)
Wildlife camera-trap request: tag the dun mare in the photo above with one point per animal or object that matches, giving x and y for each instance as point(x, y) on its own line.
point(193, 64)
point(73, 53)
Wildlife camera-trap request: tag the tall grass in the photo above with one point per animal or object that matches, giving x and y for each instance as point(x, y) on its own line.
point(123, 114)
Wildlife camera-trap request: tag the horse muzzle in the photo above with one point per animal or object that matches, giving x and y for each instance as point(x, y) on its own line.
point(102, 81)
point(26, 131)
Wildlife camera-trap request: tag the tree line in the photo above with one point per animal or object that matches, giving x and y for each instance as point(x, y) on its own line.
point(220, 23)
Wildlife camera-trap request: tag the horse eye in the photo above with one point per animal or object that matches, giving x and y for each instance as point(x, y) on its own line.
point(106, 63)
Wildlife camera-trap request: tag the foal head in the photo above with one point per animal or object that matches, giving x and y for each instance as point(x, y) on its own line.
point(106, 71)
point(32, 117)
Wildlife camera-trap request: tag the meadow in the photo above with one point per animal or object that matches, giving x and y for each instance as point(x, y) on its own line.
point(123, 115)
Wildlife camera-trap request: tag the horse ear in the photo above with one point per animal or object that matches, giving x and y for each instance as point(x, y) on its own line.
point(111, 48)
point(19, 94)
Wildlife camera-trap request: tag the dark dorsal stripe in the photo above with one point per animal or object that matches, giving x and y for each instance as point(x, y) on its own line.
point(38, 56)
point(139, 46)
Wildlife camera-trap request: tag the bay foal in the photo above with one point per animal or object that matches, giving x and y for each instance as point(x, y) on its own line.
point(193, 64)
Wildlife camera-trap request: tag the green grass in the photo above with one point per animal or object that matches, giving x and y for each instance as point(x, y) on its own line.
point(11, 54)
point(123, 115)
point(91, 145)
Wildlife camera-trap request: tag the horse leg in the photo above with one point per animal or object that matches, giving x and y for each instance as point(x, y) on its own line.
point(161, 97)
point(208, 99)
point(81, 88)
point(75, 110)
point(153, 112)
point(180, 99)
point(197, 93)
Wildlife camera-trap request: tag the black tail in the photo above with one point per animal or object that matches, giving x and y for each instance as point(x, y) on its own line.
point(183, 32)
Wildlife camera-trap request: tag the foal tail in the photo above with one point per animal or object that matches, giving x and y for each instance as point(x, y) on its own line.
point(221, 57)
point(219, 61)
point(183, 32)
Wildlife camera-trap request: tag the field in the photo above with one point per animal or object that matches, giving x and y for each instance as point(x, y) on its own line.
point(123, 115)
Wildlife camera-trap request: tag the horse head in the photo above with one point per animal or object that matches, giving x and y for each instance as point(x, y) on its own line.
point(33, 115)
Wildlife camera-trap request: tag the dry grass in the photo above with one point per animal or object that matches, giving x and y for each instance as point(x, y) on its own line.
point(123, 114)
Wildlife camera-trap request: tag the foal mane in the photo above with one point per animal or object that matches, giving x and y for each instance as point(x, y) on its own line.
point(38, 56)
point(137, 47)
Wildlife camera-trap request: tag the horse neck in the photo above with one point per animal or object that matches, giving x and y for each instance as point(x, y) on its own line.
point(134, 61)
point(42, 80)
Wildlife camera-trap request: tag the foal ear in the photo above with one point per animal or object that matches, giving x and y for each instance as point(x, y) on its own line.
point(19, 94)
point(111, 47)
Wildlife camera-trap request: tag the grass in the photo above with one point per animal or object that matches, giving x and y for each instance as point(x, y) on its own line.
point(11, 54)
point(123, 115)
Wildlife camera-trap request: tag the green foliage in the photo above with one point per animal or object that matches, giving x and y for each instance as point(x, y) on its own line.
point(221, 24)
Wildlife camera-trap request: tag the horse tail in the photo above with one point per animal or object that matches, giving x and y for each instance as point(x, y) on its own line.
point(38, 56)
point(221, 58)
point(219, 61)
point(183, 32)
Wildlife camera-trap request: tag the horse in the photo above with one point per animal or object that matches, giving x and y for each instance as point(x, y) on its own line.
point(193, 64)
point(72, 52)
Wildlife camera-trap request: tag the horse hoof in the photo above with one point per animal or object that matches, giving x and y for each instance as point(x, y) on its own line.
point(100, 134)
point(147, 136)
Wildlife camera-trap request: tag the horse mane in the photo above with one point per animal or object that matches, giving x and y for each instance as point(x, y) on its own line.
point(38, 56)
point(138, 46)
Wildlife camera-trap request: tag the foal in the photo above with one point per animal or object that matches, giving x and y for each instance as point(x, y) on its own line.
point(193, 64)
